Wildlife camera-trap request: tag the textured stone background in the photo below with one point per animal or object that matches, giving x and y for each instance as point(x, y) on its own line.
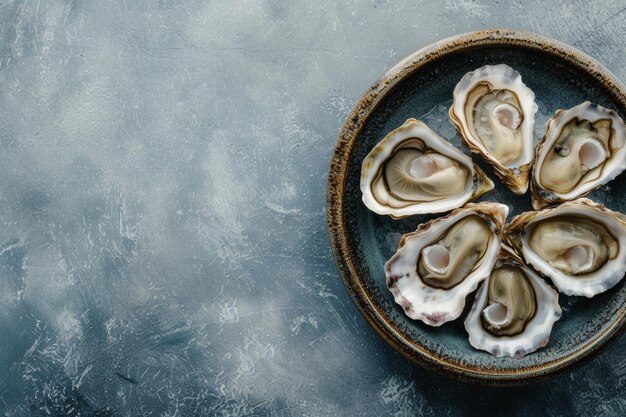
point(163, 249)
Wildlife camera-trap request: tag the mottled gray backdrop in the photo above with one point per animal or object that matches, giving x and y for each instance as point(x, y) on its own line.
point(163, 248)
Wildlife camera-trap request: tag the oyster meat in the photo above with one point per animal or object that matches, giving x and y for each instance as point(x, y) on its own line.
point(583, 149)
point(513, 311)
point(438, 265)
point(494, 113)
point(414, 171)
point(578, 245)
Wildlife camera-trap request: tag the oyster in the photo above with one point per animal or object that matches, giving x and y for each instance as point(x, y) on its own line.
point(583, 149)
point(579, 245)
point(438, 265)
point(513, 311)
point(414, 171)
point(494, 113)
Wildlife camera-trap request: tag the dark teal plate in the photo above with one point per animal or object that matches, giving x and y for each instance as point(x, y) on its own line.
point(421, 87)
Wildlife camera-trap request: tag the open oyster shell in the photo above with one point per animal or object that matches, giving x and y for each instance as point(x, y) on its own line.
point(494, 113)
point(579, 245)
point(583, 149)
point(513, 311)
point(414, 171)
point(438, 265)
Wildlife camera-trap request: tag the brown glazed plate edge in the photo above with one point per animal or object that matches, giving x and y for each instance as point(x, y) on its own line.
point(335, 191)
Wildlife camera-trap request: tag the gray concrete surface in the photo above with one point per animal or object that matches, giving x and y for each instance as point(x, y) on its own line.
point(162, 182)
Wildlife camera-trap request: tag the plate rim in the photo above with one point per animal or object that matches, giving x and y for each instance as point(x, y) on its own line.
point(356, 120)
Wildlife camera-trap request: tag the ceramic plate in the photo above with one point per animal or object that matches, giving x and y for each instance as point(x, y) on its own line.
point(421, 87)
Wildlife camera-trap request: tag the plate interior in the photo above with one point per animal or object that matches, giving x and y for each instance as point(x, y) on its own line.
point(427, 95)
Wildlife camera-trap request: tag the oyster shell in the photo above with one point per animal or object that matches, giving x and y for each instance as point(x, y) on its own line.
point(494, 113)
point(438, 265)
point(579, 245)
point(513, 311)
point(414, 171)
point(583, 149)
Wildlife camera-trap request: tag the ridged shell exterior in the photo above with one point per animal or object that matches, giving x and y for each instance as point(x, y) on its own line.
point(537, 330)
point(478, 183)
point(431, 305)
point(592, 284)
point(614, 166)
point(501, 76)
